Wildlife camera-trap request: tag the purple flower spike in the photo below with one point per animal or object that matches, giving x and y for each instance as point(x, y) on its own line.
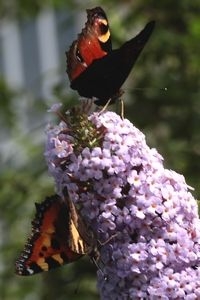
point(144, 218)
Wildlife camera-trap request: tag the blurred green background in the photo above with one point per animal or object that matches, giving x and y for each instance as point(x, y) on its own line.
point(170, 119)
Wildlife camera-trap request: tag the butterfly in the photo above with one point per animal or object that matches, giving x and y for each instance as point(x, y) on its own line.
point(58, 237)
point(94, 69)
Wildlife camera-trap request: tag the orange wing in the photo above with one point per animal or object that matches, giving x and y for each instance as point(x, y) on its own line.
point(48, 246)
point(104, 77)
point(93, 43)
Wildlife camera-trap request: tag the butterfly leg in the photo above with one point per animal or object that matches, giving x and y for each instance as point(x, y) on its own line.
point(105, 106)
point(95, 260)
point(121, 107)
point(120, 102)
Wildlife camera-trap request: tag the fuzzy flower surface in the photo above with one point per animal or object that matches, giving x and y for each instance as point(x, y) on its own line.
point(143, 216)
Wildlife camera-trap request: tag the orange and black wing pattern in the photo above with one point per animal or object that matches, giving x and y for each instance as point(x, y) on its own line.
point(52, 234)
point(93, 43)
point(94, 69)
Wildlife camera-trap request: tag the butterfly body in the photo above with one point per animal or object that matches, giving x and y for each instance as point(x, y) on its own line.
point(104, 76)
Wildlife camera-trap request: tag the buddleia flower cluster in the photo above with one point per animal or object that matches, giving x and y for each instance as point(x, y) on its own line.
point(143, 215)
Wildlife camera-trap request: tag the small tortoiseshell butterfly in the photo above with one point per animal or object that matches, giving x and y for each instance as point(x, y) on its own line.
point(58, 237)
point(94, 69)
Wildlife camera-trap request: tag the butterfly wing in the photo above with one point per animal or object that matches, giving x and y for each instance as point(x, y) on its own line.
point(48, 246)
point(93, 43)
point(81, 240)
point(105, 76)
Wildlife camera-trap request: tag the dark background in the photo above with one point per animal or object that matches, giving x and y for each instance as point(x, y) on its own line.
point(169, 118)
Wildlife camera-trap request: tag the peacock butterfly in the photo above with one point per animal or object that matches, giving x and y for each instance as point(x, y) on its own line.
point(58, 237)
point(94, 69)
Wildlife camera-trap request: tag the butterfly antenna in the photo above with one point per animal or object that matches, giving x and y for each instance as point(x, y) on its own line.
point(121, 101)
point(151, 88)
point(98, 267)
